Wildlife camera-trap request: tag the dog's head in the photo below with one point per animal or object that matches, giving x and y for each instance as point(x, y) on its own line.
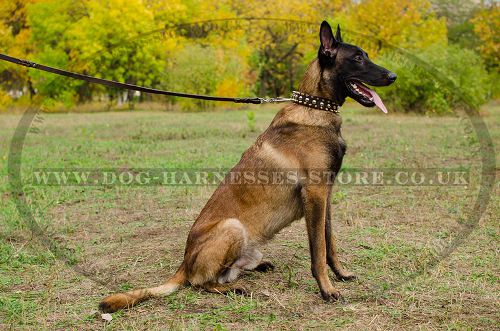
point(346, 68)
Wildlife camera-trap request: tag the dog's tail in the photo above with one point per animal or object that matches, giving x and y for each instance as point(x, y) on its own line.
point(119, 301)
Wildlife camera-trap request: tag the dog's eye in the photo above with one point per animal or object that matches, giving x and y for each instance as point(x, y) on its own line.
point(358, 58)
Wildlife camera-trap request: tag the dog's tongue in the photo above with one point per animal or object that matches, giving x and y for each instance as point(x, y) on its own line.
point(377, 100)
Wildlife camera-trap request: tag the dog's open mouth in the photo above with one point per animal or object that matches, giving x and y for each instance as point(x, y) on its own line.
point(364, 95)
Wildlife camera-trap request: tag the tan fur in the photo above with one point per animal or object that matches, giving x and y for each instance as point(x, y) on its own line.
point(239, 218)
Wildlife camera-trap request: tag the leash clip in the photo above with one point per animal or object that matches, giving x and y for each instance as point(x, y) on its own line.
point(274, 100)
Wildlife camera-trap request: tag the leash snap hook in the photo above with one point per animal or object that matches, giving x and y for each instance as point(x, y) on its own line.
point(274, 100)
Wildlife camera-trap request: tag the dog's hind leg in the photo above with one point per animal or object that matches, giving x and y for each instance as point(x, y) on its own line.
point(264, 266)
point(218, 257)
point(214, 287)
point(332, 253)
point(250, 259)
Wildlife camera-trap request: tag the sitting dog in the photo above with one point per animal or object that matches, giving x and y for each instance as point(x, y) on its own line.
point(305, 136)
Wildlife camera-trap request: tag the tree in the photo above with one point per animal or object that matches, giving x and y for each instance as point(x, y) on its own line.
point(107, 42)
point(410, 24)
point(284, 31)
point(15, 40)
point(458, 14)
point(49, 22)
point(487, 26)
point(101, 38)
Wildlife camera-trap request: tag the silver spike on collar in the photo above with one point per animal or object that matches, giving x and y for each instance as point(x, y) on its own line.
point(314, 102)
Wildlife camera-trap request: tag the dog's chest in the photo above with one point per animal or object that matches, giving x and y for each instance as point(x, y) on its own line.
point(328, 152)
point(289, 210)
point(342, 144)
point(336, 148)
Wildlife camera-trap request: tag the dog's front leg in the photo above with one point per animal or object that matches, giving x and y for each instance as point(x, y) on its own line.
point(315, 206)
point(332, 256)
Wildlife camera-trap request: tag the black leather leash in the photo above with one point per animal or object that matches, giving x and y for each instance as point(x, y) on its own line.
point(297, 97)
point(132, 87)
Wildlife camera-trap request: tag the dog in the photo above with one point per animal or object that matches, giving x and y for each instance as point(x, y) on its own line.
point(304, 135)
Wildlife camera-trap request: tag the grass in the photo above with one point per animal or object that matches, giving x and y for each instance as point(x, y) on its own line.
point(130, 237)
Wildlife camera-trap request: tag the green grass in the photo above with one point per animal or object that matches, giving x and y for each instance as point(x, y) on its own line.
point(130, 237)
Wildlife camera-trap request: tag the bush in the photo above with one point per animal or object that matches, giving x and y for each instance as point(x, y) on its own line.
point(206, 70)
point(447, 76)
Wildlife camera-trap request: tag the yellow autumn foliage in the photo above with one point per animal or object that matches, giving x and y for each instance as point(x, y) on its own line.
point(236, 47)
point(376, 25)
point(487, 28)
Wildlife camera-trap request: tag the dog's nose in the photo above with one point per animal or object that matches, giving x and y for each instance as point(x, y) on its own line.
point(392, 76)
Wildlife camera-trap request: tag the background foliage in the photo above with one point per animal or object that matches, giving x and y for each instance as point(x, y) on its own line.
point(155, 43)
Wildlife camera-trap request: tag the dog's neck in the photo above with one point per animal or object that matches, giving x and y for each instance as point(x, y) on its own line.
point(321, 84)
point(313, 84)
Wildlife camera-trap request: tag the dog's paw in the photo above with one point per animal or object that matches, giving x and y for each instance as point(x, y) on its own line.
point(346, 276)
point(239, 290)
point(265, 266)
point(331, 296)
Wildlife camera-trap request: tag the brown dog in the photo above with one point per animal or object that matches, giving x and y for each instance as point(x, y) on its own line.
point(304, 136)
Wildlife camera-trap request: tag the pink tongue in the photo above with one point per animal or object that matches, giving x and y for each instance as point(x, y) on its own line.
point(377, 100)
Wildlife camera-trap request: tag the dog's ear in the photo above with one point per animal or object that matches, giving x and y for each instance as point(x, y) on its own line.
point(328, 42)
point(338, 36)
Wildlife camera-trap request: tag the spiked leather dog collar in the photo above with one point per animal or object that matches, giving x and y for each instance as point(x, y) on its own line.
point(314, 102)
